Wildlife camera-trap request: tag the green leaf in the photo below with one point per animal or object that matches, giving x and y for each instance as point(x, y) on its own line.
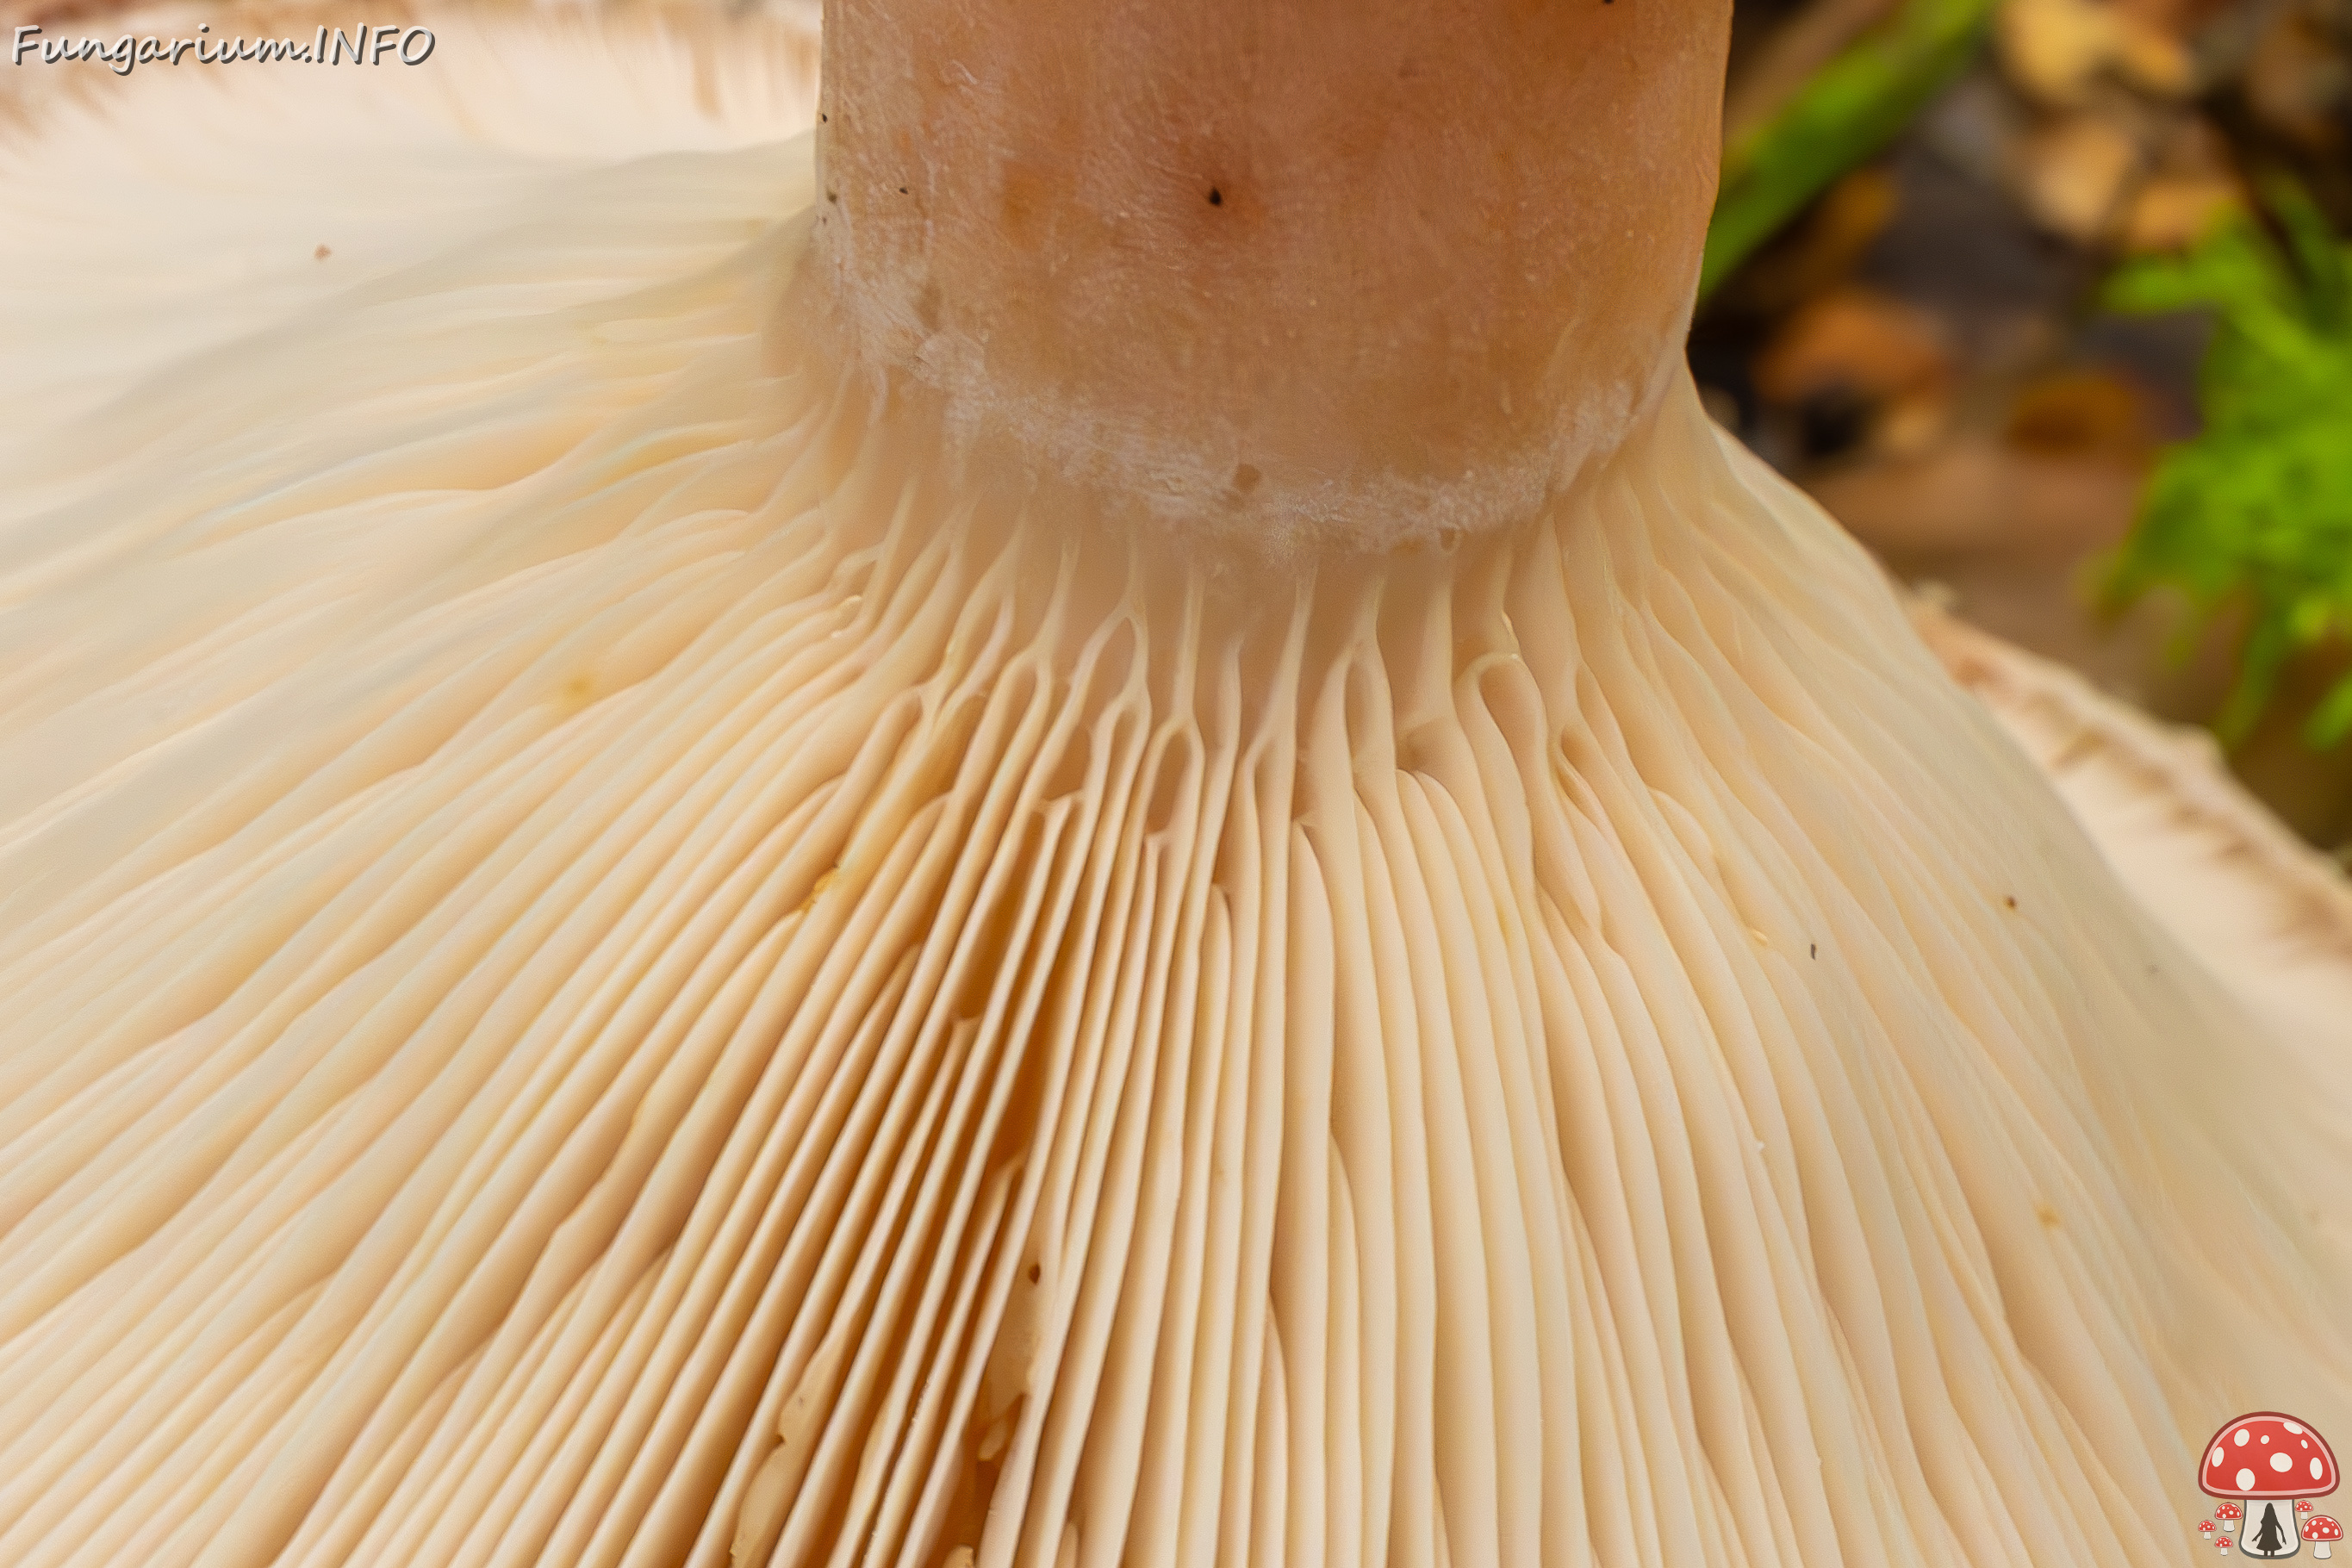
point(2331, 720)
point(1849, 108)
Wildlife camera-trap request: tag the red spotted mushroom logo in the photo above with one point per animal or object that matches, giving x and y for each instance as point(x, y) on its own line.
point(2261, 1466)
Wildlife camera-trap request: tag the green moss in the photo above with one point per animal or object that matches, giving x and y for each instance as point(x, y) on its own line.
point(2257, 513)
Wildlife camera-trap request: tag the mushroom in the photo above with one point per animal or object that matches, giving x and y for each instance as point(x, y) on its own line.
point(2319, 1530)
point(2269, 1459)
point(2268, 915)
point(1085, 821)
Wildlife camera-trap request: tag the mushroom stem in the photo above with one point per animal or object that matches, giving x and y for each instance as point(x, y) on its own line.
point(1252, 256)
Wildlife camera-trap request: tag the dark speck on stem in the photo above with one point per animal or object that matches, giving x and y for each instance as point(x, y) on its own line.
point(1216, 198)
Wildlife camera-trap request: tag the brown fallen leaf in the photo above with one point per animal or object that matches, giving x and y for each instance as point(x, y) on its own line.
point(2298, 83)
point(2080, 413)
point(2055, 50)
point(1854, 339)
point(2072, 174)
point(2173, 213)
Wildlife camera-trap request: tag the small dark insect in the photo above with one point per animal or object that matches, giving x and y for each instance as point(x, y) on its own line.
point(1812, 948)
point(1216, 198)
point(1036, 1273)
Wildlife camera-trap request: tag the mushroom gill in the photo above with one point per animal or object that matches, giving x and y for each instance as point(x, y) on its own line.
point(2268, 915)
point(705, 872)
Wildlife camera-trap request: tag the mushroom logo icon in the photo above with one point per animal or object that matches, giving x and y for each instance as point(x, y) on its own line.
point(2266, 1461)
point(2319, 1530)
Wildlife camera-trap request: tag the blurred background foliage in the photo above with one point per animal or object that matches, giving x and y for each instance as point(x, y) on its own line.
point(2049, 302)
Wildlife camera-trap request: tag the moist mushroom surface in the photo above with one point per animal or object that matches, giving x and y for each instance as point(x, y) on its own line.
point(1156, 859)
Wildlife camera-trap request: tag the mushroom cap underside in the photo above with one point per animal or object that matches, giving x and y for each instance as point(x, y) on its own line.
point(616, 922)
